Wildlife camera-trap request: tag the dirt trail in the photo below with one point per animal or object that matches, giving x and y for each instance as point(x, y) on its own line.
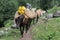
point(28, 35)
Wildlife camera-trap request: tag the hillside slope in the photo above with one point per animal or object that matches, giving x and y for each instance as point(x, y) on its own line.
point(47, 31)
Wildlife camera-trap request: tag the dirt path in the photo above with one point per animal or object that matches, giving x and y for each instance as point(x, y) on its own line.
point(28, 35)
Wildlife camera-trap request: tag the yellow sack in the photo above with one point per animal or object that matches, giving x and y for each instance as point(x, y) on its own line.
point(21, 9)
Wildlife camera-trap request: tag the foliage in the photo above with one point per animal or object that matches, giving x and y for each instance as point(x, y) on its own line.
point(47, 31)
point(52, 10)
point(7, 9)
point(8, 23)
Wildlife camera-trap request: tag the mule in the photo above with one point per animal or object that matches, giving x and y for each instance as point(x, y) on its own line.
point(23, 23)
point(40, 12)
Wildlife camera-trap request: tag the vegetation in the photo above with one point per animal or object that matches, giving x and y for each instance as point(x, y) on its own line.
point(47, 31)
point(10, 35)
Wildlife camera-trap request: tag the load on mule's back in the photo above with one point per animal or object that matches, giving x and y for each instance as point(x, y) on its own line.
point(20, 11)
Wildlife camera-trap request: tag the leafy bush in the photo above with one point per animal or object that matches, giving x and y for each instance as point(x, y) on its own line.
point(8, 23)
point(55, 8)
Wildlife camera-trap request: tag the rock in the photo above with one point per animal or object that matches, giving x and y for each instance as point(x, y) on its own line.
point(1, 32)
point(56, 14)
point(6, 29)
point(48, 16)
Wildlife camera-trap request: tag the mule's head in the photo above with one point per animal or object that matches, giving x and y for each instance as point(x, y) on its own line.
point(40, 12)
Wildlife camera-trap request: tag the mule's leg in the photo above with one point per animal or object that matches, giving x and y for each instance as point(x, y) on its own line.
point(28, 25)
point(21, 31)
point(26, 28)
point(33, 21)
point(29, 22)
point(37, 19)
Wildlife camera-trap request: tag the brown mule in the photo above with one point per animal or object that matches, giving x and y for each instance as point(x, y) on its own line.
point(23, 22)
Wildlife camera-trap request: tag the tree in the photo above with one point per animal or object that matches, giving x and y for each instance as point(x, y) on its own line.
point(7, 9)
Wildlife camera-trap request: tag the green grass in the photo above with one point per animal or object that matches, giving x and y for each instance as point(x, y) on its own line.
point(8, 23)
point(12, 34)
point(44, 31)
